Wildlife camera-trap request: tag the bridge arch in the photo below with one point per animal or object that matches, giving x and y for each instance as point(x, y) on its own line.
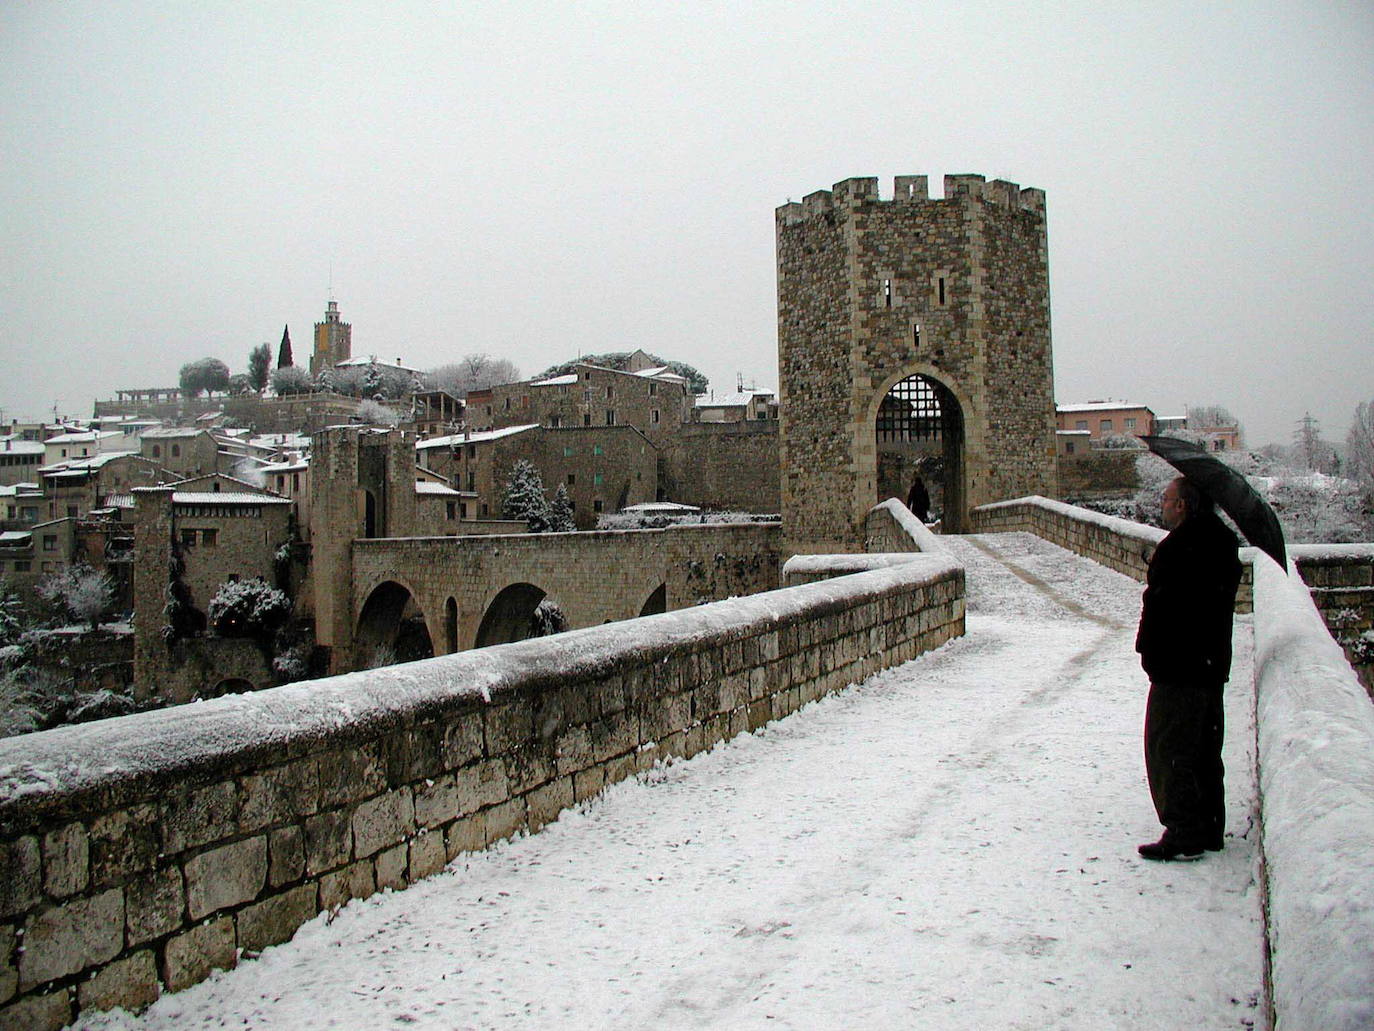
point(656, 602)
point(518, 612)
point(918, 421)
point(392, 627)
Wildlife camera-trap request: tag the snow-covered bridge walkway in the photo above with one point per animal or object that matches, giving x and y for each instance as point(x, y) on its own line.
point(950, 844)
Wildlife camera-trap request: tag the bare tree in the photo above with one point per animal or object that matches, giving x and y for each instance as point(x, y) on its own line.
point(474, 372)
point(1207, 417)
point(82, 592)
point(1359, 444)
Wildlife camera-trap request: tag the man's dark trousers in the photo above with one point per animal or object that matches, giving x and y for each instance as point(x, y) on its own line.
point(1184, 726)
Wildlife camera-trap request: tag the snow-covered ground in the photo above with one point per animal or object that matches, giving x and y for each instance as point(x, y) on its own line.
point(950, 845)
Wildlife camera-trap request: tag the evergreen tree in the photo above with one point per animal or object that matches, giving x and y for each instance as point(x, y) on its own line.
point(524, 498)
point(259, 364)
point(561, 512)
point(372, 381)
point(284, 352)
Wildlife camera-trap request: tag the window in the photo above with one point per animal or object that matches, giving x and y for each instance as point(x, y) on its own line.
point(597, 449)
point(610, 416)
point(587, 394)
point(209, 538)
point(887, 293)
point(572, 479)
point(176, 450)
point(281, 483)
point(508, 404)
point(462, 510)
point(157, 450)
point(596, 480)
point(555, 421)
point(295, 481)
point(452, 509)
point(586, 418)
point(50, 542)
point(596, 505)
point(1105, 426)
point(610, 392)
point(1130, 423)
point(1080, 424)
point(72, 511)
point(568, 452)
point(653, 390)
point(653, 416)
point(941, 291)
point(188, 538)
point(1068, 448)
point(916, 334)
point(22, 566)
point(64, 452)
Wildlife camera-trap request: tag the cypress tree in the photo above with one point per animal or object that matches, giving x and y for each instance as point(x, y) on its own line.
point(284, 353)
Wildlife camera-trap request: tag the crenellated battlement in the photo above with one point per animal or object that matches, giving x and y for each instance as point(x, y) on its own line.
point(912, 189)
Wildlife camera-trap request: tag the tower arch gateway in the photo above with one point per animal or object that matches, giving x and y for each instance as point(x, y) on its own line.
point(872, 292)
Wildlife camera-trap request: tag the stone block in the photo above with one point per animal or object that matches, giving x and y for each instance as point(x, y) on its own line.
point(616, 734)
point(481, 785)
point(505, 820)
point(528, 767)
point(466, 835)
point(70, 937)
point(192, 817)
point(130, 983)
point(391, 867)
point(545, 803)
point(66, 860)
point(352, 882)
point(9, 973)
point(383, 821)
point(506, 726)
point(285, 855)
point(156, 905)
point(415, 753)
point(588, 782)
point(20, 887)
point(275, 919)
point(188, 958)
point(49, 1012)
point(573, 750)
point(349, 774)
point(328, 841)
point(428, 855)
point(279, 795)
point(436, 802)
point(122, 844)
point(226, 876)
point(463, 740)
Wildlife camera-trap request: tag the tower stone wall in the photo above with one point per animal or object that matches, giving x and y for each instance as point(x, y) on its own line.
point(333, 340)
point(873, 291)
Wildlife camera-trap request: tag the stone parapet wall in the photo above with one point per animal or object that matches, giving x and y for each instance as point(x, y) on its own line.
point(1315, 729)
point(1340, 578)
point(142, 853)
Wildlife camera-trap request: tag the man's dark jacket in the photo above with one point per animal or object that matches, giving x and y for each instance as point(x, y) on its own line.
point(1190, 595)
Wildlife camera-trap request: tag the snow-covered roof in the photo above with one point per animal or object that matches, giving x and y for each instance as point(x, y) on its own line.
point(739, 399)
point(556, 381)
point(372, 359)
point(298, 465)
point(428, 487)
point(14, 538)
point(15, 489)
point(17, 446)
point(82, 466)
point(1101, 406)
point(85, 437)
point(662, 372)
point(473, 438)
point(172, 433)
point(225, 497)
point(1074, 433)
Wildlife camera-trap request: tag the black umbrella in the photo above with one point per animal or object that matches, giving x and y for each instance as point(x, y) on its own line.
point(1229, 489)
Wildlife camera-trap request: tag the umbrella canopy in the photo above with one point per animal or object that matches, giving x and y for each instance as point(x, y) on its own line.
point(1229, 489)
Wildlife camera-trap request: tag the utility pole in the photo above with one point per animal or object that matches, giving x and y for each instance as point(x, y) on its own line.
point(1308, 439)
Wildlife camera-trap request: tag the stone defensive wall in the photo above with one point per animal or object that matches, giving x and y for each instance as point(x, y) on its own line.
point(1315, 756)
point(144, 852)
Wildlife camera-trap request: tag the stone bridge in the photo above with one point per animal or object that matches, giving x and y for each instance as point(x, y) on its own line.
point(414, 597)
point(145, 852)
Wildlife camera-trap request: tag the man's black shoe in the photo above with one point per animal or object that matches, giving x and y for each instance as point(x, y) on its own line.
point(1166, 851)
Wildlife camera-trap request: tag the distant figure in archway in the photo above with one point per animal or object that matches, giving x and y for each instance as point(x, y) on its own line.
point(918, 500)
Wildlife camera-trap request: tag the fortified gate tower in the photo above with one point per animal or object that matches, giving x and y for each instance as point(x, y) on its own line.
point(913, 338)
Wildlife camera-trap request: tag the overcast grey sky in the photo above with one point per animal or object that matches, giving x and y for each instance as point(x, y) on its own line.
point(538, 180)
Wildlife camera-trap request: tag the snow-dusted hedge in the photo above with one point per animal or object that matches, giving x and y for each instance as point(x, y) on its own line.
point(1316, 769)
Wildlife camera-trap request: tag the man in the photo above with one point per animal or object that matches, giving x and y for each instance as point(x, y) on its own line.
point(1185, 647)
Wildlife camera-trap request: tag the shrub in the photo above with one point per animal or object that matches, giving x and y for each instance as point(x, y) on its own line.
point(248, 608)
